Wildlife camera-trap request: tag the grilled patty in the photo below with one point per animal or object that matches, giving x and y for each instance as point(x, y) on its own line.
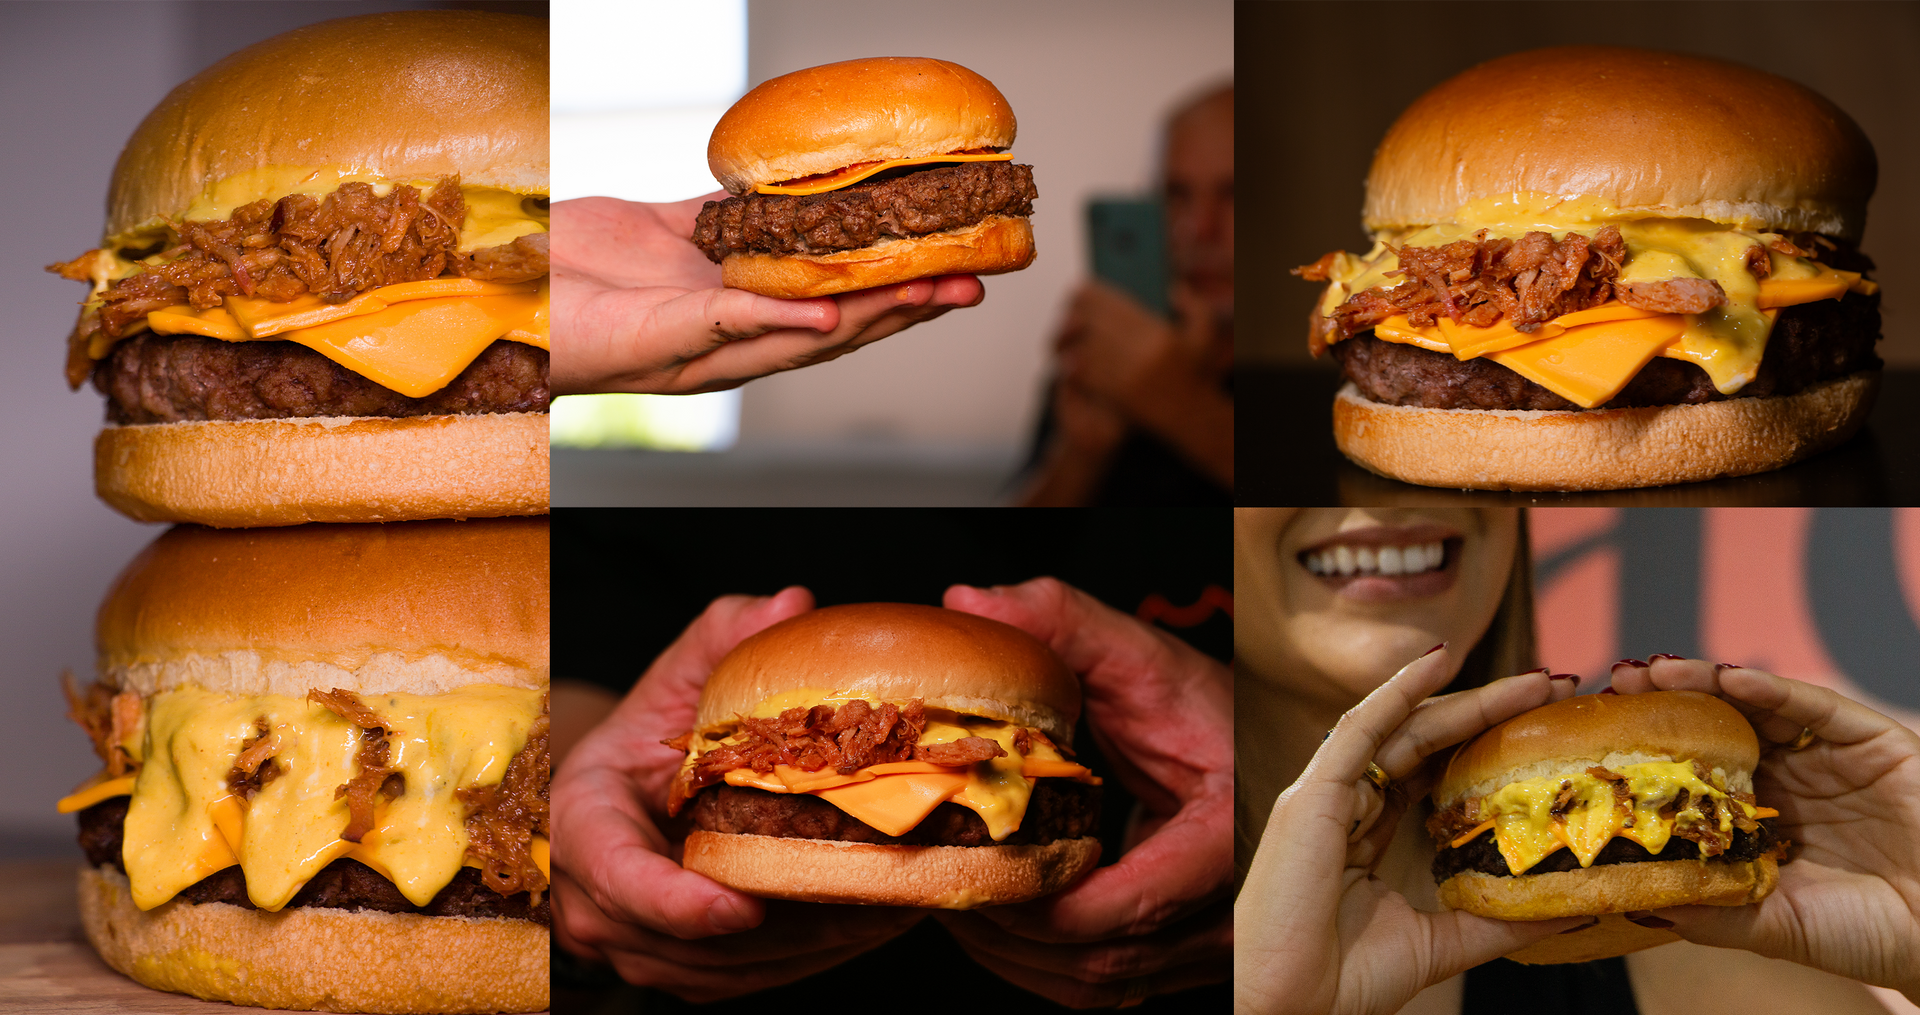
point(1482, 855)
point(1059, 809)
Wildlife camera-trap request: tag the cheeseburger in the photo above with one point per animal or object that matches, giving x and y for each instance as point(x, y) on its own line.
point(888, 754)
point(325, 767)
point(1598, 268)
point(1603, 805)
point(322, 291)
point(866, 173)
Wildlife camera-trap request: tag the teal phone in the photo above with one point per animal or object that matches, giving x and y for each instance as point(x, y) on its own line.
point(1129, 242)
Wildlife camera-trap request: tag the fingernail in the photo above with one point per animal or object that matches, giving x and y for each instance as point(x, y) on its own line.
point(1575, 677)
point(1664, 655)
point(1575, 930)
point(1717, 667)
point(729, 916)
point(1607, 690)
point(1538, 669)
point(1649, 920)
point(1630, 662)
point(1432, 650)
point(1328, 737)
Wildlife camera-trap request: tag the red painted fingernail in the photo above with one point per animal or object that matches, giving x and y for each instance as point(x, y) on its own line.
point(1717, 667)
point(1649, 920)
point(1538, 669)
point(1432, 650)
point(1630, 662)
point(1575, 677)
point(1664, 655)
point(1607, 690)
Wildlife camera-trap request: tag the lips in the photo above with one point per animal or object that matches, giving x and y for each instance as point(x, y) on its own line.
point(1386, 563)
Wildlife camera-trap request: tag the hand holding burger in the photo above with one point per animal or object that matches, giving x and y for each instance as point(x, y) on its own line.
point(620, 898)
point(1158, 920)
point(1849, 903)
point(641, 310)
point(1315, 930)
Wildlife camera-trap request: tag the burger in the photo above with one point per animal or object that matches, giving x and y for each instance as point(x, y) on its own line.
point(888, 754)
point(1605, 805)
point(866, 173)
point(322, 290)
point(1598, 268)
point(325, 767)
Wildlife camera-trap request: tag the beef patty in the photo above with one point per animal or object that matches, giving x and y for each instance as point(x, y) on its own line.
point(342, 884)
point(913, 203)
point(1059, 809)
point(1482, 855)
point(176, 378)
point(1810, 343)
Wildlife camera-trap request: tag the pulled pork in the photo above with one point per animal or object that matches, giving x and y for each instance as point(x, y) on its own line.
point(255, 766)
point(846, 739)
point(112, 719)
point(507, 815)
point(375, 777)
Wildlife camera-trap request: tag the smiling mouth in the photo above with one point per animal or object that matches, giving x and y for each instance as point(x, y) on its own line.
point(1367, 560)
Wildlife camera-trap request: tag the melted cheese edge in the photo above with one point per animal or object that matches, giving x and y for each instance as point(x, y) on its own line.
point(183, 824)
point(896, 796)
point(854, 174)
point(1587, 357)
point(1521, 814)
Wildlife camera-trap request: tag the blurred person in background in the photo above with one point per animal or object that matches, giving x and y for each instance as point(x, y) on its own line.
point(638, 308)
point(1337, 910)
point(1141, 408)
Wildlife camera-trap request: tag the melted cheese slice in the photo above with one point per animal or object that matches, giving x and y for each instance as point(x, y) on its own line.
point(410, 337)
point(854, 174)
point(1526, 830)
point(93, 791)
point(183, 824)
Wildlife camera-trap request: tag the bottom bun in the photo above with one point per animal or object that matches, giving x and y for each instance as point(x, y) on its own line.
point(1598, 449)
point(1612, 888)
point(1613, 935)
point(995, 244)
point(933, 877)
point(246, 473)
point(318, 959)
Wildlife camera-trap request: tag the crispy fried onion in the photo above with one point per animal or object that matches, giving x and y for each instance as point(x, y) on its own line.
point(505, 817)
point(375, 777)
point(112, 720)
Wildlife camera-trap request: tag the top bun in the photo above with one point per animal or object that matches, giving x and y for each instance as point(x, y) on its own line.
point(407, 95)
point(896, 652)
point(826, 118)
point(1677, 136)
point(413, 607)
point(1592, 729)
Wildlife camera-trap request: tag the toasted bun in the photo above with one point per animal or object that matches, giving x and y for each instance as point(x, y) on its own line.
point(318, 959)
point(895, 652)
point(1588, 729)
point(1665, 133)
point(1609, 889)
point(826, 118)
point(419, 607)
point(1599, 449)
point(935, 877)
point(407, 95)
point(995, 244)
point(247, 473)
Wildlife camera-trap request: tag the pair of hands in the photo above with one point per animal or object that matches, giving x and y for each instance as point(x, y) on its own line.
point(645, 311)
point(1319, 933)
point(1155, 921)
point(1119, 363)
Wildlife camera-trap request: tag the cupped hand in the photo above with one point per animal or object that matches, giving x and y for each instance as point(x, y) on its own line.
point(619, 896)
point(1849, 900)
point(1317, 932)
point(1162, 713)
point(638, 308)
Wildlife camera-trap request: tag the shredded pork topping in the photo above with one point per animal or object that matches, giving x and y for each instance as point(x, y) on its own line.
point(375, 777)
point(111, 719)
point(507, 815)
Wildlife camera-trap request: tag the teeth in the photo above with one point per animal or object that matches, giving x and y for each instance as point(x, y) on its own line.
point(1346, 561)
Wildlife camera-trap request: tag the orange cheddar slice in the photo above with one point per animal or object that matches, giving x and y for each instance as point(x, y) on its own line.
point(1470, 834)
point(94, 791)
point(854, 174)
point(894, 804)
point(416, 347)
point(213, 323)
point(1590, 364)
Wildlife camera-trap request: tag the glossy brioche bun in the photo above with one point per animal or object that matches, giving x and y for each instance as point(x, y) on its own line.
point(1599, 449)
point(897, 652)
point(255, 472)
point(856, 873)
point(1589, 729)
point(995, 244)
point(406, 95)
point(1665, 133)
point(416, 607)
point(825, 118)
point(316, 959)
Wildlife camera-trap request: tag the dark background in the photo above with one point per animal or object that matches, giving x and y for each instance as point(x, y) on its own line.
point(627, 582)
